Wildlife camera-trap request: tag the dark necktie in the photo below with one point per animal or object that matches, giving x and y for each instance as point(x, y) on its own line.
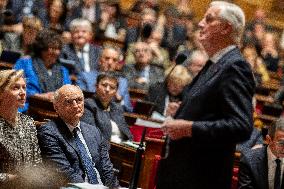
point(86, 160)
point(277, 175)
point(82, 60)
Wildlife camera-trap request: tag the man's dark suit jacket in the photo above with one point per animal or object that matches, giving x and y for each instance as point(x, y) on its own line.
point(96, 115)
point(157, 93)
point(68, 52)
point(156, 74)
point(253, 172)
point(219, 102)
point(59, 148)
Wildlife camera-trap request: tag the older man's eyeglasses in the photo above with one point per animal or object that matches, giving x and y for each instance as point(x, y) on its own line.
point(78, 100)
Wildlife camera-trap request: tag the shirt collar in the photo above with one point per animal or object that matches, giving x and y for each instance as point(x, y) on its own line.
point(217, 56)
point(71, 127)
point(271, 157)
point(86, 48)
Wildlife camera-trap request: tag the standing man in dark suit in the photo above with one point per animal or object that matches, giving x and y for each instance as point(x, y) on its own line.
point(216, 112)
point(81, 51)
point(75, 148)
point(258, 167)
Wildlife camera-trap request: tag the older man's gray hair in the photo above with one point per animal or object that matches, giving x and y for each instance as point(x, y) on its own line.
point(279, 125)
point(232, 14)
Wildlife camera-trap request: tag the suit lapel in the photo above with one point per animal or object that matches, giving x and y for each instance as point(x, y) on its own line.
point(93, 57)
point(74, 56)
point(67, 135)
point(261, 171)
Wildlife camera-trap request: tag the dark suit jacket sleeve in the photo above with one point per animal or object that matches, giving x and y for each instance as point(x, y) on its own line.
point(235, 122)
point(106, 166)
point(81, 81)
point(52, 153)
point(89, 113)
point(245, 175)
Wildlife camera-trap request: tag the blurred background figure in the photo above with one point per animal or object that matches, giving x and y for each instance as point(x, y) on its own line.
point(109, 60)
point(43, 70)
point(142, 73)
point(103, 112)
point(23, 43)
point(196, 62)
point(147, 22)
point(258, 67)
point(269, 51)
point(80, 51)
point(112, 24)
point(56, 18)
point(170, 90)
point(18, 136)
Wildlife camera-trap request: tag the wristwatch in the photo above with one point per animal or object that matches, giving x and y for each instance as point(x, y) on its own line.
point(4, 177)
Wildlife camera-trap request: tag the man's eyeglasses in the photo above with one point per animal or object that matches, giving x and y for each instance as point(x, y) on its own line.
point(71, 101)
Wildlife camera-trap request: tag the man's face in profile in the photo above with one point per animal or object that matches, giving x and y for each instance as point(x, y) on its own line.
point(277, 144)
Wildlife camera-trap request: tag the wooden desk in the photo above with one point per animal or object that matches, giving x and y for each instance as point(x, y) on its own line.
point(122, 158)
point(41, 109)
point(5, 65)
point(136, 94)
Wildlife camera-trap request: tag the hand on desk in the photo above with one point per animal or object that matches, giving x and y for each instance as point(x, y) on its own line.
point(177, 128)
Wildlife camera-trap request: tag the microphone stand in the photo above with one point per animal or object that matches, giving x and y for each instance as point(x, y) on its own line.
point(140, 150)
point(137, 163)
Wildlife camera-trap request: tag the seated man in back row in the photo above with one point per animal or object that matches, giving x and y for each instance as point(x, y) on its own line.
point(108, 63)
point(75, 148)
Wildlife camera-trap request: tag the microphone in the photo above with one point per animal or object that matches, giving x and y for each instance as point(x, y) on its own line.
point(146, 31)
point(180, 59)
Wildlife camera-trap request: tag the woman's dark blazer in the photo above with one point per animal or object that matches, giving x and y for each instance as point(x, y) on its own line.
point(95, 114)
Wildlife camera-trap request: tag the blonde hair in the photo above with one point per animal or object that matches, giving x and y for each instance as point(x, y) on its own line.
point(9, 77)
point(178, 74)
point(32, 22)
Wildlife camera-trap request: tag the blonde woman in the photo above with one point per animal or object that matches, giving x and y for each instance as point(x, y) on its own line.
point(18, 141)
point(170, 90)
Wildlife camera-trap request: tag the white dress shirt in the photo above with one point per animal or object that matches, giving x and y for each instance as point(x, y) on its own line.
point(271, 167)
point(84, 54)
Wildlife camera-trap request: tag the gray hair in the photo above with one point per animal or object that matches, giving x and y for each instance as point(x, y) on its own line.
point(9, 77)
point(279, 125)
point(234, 15)
point(80, 22)
point(58, 92)
point(111, 47)
point(195, 55)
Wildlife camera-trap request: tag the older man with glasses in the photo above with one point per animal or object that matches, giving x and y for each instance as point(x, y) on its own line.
point(262, 168)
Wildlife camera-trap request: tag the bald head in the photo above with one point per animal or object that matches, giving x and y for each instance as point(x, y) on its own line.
point(69, 104)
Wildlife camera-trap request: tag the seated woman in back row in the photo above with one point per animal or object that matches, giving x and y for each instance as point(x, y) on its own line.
point(104, 112)
point(162, 93)
point(43, 71)
point(18, 136)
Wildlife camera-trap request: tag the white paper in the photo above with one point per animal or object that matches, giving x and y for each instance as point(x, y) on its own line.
point(158, 116)
point(147, 123)
point(86, 185)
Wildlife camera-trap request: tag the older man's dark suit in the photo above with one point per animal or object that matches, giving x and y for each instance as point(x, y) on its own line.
point(96, 115)
point(219, 101)
point(68, 52)
point(254, 169)
point(59, 148)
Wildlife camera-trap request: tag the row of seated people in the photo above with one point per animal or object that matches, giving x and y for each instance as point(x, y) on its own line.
point(79, 157)
point(106, 89)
